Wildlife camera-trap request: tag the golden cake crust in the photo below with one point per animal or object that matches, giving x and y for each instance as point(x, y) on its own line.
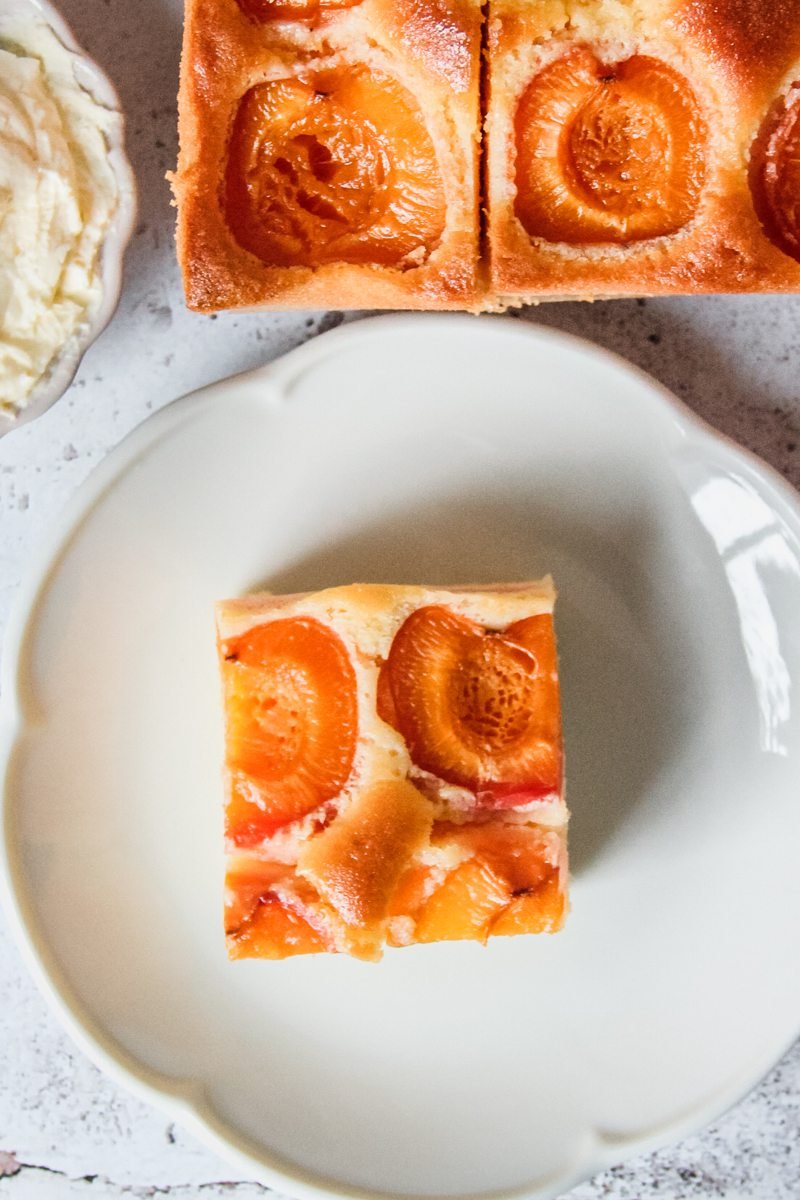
point(754, 42)
point(737, 56)
point(373, 611)
point(430, 47)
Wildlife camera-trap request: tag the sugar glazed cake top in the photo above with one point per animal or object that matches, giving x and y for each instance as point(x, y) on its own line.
point(329, 150)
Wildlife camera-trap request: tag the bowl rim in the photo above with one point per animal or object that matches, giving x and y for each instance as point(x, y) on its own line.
point(64, 366)
point(185, 1100)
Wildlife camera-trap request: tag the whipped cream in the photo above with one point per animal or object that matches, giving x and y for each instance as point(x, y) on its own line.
point(58, 194)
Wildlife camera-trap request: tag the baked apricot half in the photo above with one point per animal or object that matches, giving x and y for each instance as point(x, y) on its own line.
point(290, 696)
point(775, 173)
point(509, 885)
point(608, 152)
point(337, 166)
point(478, 709)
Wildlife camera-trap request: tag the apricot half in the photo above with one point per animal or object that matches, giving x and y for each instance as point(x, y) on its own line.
point(334, 167)
point(464, 905)
point(608, 153)
point(477, 709)
point(509, 886)
point(290, 695)
point(775, 173)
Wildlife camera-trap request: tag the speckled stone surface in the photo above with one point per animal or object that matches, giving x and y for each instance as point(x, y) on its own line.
point(66, 1131)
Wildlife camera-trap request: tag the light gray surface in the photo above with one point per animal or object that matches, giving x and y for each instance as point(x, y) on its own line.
point(64, 1129)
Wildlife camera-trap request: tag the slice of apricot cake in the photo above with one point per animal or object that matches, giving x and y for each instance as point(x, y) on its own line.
point(329, 154)
point(394, 768)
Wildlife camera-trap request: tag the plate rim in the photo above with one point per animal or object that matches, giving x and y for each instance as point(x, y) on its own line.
point(182, 1100)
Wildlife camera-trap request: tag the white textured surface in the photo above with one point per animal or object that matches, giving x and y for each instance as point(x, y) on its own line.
point(64, 1130)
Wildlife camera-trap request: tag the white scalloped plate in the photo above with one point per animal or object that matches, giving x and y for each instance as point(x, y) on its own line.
point(440, 449)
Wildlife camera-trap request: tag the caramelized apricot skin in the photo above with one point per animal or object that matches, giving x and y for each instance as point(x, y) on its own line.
point(775, 173)
point(608, 152)
point(264, 11)
point(292, 721)
point(477, 709)
point(337, 166)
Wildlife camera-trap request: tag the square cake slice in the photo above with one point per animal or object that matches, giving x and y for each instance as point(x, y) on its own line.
point(641, 148)
point(394, 768)
point(329, 154)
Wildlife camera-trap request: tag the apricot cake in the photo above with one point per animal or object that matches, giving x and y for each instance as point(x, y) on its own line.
point(393, 768)
point(329, 153)
point(642, 146)
point(329, 150)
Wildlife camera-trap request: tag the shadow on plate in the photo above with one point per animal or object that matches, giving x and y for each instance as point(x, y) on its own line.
point(620, 645)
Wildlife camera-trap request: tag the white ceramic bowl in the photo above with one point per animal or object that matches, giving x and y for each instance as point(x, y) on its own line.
point(444, 450)
point(62, 370)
